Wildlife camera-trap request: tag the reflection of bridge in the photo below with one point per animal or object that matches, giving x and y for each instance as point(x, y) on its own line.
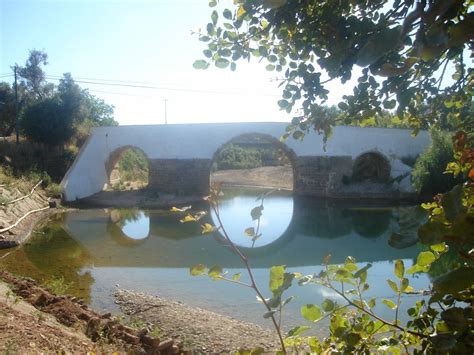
point(180, 156)
point(305, 242)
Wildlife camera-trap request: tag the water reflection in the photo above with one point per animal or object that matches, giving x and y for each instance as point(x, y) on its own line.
point(152, 251)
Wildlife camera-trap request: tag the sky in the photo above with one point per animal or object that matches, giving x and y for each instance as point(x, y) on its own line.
point(141, 41)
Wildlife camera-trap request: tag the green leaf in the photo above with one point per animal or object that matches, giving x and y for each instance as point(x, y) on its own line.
point(311, 312)
point(294, 332)
point(454, 281)
point(256, 212)
point(432, 232)
point(276, 277)
point(250, 231)
point(425, 258)
point(399, 270)
point(237, 276)
point(197, 270)
point(343, 106)
point(288, 300)
point(404, 284)
point(328, 305)
point(207, 228)
point(393, 285)
point(215, 272)
point(200, 64)
point(389, 104)
point(188, 219)
point(214, 17)
point(222, 63)
point(440, 248)
point(360, 273)
point(270, 67)
point(283, 103)
point(452, 202)
point(268, 314)
point(227, 14)
point(389, 303)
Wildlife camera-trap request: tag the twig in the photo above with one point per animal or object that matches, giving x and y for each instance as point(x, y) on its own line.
point(23, 217)
point(253, 284)
point(22, 197)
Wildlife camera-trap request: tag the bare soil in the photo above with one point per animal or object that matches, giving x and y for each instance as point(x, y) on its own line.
point(266, 176)
point(34, 320)
point(197, 329)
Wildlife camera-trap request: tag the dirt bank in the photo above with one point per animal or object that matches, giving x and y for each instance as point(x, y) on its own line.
point(21, 210)
point(197, 329)
point(267, 176)
point(34, 320)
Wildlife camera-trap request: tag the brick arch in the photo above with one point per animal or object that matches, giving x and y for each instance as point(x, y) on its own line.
point(290, 154)
point(115, 156)
point(372, 166)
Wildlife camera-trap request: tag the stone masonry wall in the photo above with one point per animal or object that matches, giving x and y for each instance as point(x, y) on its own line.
point(179, 176)
point(320, 175)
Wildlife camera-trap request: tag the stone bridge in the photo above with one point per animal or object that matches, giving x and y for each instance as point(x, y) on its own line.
point(180, 157)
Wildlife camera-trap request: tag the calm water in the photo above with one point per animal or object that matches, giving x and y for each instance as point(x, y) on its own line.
point(151, 251)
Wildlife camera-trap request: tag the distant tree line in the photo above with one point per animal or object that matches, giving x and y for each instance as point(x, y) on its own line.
point(50, 114)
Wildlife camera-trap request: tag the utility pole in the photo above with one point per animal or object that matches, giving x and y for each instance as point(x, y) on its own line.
point(166, 112)
point(17, 130)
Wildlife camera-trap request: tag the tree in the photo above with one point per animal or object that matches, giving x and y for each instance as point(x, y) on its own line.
point(404, 49)
point(70, 95)
point(97, 110)
point(47, 122)
point(7, 109)
point(33, 77)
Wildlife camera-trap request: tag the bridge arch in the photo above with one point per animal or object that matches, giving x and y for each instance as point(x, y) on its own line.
point(259, 140)
point(114, 158)
point(371, 166)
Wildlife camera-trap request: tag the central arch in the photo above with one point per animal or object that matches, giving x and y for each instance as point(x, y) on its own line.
point(247, 165)
point(259, 150)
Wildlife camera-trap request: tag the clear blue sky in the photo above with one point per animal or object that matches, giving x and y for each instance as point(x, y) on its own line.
point(142, 41)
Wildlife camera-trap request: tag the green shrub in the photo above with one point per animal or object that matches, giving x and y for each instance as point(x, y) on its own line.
point(428, 175)
point(133, 166)
point(31, 158)
point(54, 190)
point(234, 156)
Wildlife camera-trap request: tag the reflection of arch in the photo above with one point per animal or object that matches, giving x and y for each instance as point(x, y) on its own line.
point(117, 220)
point(115, 156)
point(263, 138)
point(371, 223)
point(372, 166)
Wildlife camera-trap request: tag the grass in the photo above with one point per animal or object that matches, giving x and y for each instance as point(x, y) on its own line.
point(57, 285)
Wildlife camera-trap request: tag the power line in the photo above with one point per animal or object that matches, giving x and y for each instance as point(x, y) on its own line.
point(154, 87)
point(119, 93)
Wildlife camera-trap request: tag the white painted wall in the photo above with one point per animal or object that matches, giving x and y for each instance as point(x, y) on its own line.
point(200, 141)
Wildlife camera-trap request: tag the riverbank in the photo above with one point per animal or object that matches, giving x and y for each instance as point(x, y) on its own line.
point(32, 319)
point(197, 329)
point(21, 210)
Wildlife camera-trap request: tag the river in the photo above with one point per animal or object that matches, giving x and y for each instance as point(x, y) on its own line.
point(150, 251)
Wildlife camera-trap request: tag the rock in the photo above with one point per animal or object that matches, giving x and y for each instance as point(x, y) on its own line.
point(6, 244)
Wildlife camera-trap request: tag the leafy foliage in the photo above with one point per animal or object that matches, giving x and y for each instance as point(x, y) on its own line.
point(428, 175)
point(7, 109)
point(235, 156)
point(403, 48)
point(47, 122)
